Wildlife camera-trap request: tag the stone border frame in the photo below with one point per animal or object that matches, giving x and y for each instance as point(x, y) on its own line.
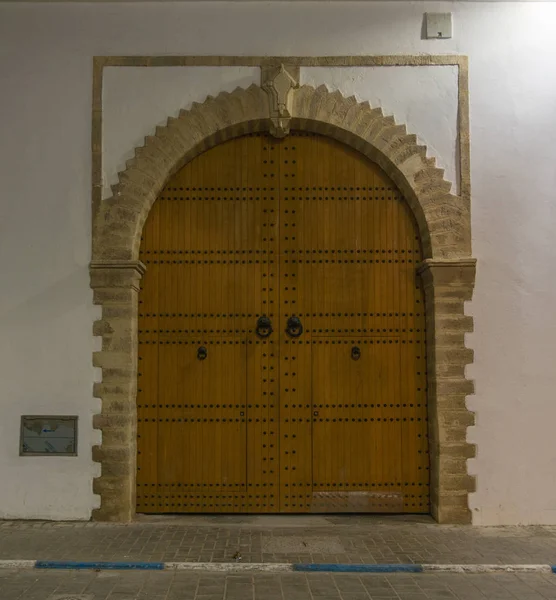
point(448, 271)
point(418, 60)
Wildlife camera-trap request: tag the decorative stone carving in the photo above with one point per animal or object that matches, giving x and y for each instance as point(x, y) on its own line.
point(279, 82)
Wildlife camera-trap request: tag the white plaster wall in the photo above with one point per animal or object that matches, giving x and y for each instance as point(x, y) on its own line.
point(45, 304)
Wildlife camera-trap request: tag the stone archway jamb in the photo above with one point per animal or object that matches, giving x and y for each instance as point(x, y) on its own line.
point(448, 271)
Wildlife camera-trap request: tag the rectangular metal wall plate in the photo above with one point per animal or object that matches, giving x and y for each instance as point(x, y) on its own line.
point(50, 435)
point(438, 26)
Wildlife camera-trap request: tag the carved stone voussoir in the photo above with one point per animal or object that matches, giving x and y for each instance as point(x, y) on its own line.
point(278, 82)
point(449, 272)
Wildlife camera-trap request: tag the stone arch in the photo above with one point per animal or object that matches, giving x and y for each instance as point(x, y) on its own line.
point(442, 217)
point(448, 272)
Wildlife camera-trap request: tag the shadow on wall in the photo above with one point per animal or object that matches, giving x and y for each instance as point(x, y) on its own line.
point(60, 299)
point(46, 344)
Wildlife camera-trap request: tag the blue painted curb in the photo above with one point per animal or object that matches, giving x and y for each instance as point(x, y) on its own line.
point(68, 564)
point(354, 568)
point(236, 567)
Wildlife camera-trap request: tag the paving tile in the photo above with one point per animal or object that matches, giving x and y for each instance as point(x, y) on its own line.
point(349, 583)
point(357, 539)
point(353, 539)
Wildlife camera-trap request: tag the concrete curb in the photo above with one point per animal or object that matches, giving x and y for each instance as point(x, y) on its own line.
point(232, 567)
point(17, 564)
point(489, 568)
point(236, 567)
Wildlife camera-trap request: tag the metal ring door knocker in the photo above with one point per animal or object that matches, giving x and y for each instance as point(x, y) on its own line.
point(356, 353)
point(294, 327)
point(202, 353)
point(264, 326)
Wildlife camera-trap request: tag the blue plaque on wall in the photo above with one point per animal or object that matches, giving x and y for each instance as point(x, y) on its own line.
point(48, 435)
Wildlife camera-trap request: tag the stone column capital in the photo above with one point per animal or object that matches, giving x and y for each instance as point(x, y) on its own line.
point(116, 274)
point(448, 272)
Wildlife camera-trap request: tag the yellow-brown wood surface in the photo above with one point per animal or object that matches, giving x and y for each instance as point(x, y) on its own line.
point(331, 420)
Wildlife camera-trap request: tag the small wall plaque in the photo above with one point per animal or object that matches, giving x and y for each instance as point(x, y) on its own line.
point(438, 25)
point(50, 435)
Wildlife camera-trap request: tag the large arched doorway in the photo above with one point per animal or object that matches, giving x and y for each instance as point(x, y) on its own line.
point(282, 363)
point(447, 273)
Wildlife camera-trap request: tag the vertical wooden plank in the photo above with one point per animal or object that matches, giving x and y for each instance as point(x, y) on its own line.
point(163, 375)
point(147, 393)
point(274, 286)
point(254, 373)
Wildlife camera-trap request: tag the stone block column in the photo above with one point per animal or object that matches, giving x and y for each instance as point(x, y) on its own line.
point(448, 284)
point(115, 287)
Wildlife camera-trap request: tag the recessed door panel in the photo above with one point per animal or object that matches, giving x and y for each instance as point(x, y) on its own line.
point(202, 423)
point(357, 424)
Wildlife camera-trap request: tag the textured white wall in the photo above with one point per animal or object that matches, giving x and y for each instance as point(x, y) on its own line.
point(45, 305)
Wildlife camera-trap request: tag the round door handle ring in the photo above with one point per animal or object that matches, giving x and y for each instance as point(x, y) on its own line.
point(264, 326)
point(294, 327)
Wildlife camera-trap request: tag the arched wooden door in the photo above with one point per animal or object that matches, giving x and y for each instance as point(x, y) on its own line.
point(281, 336)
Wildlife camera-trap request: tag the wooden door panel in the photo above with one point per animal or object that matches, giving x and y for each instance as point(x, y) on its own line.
point(217, 298)
point(263, 426)
point(299, 227)
point(353, 295)
point(295, 423)
point(357, 443)
point(348, 257)
point(209, 245)
point(199, 428)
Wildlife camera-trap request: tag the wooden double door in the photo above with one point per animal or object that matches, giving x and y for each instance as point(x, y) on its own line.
point(281, 336)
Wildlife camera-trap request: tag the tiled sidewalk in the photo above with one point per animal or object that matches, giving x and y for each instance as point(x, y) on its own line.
point(87, 585)
point(351, 539)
